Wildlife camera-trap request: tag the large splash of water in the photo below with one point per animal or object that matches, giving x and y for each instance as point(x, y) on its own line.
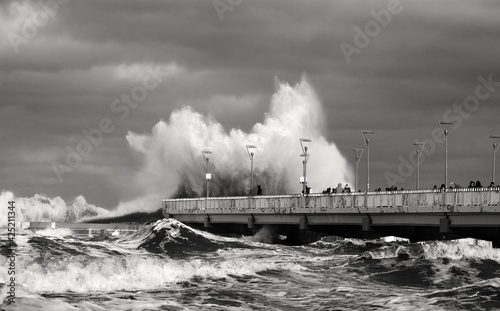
point(42, 208)
point(174, 165)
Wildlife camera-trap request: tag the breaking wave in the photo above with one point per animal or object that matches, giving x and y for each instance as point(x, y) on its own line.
point(173, 162)
point(165, 252)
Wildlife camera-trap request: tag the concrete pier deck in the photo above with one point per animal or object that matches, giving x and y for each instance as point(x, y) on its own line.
point(416, 215)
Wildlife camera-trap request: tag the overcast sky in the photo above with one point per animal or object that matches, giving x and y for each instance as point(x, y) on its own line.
point(394, 68)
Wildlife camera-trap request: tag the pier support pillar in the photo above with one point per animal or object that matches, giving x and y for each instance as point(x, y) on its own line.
point(444, 225)
point(367, 224)
point(251, 222)
point(368, 231)
point(303, 223)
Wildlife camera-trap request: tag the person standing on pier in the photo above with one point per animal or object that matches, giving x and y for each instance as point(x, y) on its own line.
point(339, 188)
point(259, 190)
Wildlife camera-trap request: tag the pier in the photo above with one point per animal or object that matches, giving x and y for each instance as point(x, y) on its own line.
point(81, 228)
point(418, 215)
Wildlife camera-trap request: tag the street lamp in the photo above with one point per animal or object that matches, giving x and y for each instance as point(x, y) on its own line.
point(366, 141)
point(445, 135)
point(359, 153)
point(304, 154)
point(419, 154)
point(208, 176)
point(495, 149)
point(250, 155)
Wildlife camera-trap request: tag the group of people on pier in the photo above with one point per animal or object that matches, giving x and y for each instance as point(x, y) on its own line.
point(338, 189)
point(347, 189)
point(453, 185)
point(472, 185)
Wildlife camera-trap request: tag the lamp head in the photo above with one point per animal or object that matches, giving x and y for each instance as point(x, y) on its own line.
point(445, 132)
point(206, 154)
point(359, 153)
point(250, 153)
point(366, 132)
point(302, 142)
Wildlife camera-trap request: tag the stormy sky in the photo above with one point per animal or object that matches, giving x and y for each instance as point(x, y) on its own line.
point(397, 68)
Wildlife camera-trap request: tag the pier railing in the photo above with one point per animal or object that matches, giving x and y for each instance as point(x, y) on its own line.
point(82, 228)
point(463, 197)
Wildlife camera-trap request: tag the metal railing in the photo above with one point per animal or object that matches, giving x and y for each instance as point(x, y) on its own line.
point(394, 199)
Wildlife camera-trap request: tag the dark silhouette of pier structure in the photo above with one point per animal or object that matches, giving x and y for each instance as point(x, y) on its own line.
point(418, 215)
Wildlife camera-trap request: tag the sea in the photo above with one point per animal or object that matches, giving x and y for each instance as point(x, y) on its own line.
point(170, 266)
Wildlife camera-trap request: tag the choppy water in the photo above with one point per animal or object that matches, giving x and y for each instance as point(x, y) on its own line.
point(170, 266)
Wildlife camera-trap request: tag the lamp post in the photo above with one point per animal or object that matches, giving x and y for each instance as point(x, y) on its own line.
point(366, 141)
point(208, 176)
point(495, 149)
point(250, 155)
point(304, 154)
point(359, 153)
point(445, 135)
point(419, 154)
